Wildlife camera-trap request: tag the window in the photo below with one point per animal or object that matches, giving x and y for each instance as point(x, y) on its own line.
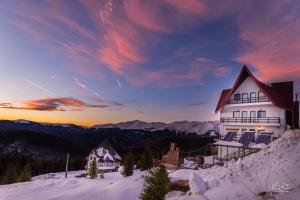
point(261, 94)
point(237, 97)
point(244, 114)
point(261, 114)
point(245, 97)
point(252, 96)
point(252, 114)
point(236, 114)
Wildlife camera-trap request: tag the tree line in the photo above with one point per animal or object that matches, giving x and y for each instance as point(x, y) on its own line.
point(20, 168)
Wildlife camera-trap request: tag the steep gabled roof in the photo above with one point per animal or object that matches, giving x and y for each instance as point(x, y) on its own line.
point(106, 152)
point(280, 94)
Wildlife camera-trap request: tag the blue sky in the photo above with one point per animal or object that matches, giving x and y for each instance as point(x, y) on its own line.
point(100, 61)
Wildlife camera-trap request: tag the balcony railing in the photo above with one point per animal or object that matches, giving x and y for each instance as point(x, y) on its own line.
point(251, 120)
point(248, 100)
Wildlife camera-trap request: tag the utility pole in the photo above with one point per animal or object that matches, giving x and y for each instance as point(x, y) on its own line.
point(67, 165)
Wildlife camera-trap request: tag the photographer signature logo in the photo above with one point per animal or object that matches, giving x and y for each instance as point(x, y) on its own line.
point(280, 188)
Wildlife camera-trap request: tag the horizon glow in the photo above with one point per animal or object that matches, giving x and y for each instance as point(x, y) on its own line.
point(92, 62)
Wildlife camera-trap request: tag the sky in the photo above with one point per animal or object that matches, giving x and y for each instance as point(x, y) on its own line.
point(104, 61)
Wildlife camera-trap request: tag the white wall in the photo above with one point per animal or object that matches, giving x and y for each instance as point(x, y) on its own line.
point(249, 86)
point(271, 111)
point(103, 165)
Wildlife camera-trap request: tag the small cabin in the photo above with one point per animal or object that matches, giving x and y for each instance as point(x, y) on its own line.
point(107, 159)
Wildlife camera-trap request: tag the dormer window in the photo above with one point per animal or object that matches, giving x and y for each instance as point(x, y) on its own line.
point(245, 97)
point(261, 94)
point(237, 97)
point(253, 97)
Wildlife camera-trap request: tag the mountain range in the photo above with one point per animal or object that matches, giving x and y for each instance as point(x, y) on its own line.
point(28, 137)
point(199, 128)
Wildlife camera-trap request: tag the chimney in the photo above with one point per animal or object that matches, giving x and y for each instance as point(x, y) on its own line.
point(296, 112)
point(173, 146)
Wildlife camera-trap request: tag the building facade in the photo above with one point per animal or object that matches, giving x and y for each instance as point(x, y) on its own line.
point(251, 105)
point(107, 159)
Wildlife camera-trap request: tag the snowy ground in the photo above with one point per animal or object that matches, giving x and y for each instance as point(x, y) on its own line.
point(113, 187)
point(275, 169)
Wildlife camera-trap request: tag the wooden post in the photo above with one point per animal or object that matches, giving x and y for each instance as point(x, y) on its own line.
point(212, 150)
point(227, 151)
point(67, 165)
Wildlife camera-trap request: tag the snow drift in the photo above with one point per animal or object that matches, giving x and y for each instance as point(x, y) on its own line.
point(273, 172)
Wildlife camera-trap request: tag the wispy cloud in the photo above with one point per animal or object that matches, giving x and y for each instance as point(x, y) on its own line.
point(196, 103)
point(119, 84)
point(83, 86)
point(123, 34)
point(140, 112)
point(53, 104)
point(176, 75)
point(270, 39)
point(55, 77)
point(38, 86)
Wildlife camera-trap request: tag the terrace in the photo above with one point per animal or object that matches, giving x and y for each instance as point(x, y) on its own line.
point(250, 100)
point(250, 120)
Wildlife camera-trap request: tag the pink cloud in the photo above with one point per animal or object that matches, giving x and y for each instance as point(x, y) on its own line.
point(193, 6)
point(176, 75)
point(221, 71)
point(148, 14)
point(165, 16)
point(270, 40)
point(140, 112)
point(119, 37)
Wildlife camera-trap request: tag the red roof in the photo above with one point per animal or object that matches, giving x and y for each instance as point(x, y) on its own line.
point(280, 93)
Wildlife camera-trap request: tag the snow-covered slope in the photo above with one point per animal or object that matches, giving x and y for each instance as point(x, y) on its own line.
point(113, 187)
point(179, 126)
point(22, 121)
point(274, 169)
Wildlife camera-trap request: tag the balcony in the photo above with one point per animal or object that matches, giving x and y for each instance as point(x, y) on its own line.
point(249, 100)
point(266, 121)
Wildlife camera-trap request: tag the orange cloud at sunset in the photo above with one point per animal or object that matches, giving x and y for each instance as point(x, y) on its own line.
point(51, 104)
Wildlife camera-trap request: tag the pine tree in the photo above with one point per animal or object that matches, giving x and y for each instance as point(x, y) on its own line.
point(146, 160)
point(93, 169)
point(155, 186)
point(25, 173)
point(10, 175)
point(128, 165)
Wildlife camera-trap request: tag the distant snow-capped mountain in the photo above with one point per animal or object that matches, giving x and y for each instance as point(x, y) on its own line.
point(179, 126)
point(199, 128)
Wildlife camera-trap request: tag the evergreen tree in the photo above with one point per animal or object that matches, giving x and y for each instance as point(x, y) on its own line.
point(93, 169)
point(155, 186)
point(128, 165)
point(146, 160)
point(25, 173)
point(10, 175)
